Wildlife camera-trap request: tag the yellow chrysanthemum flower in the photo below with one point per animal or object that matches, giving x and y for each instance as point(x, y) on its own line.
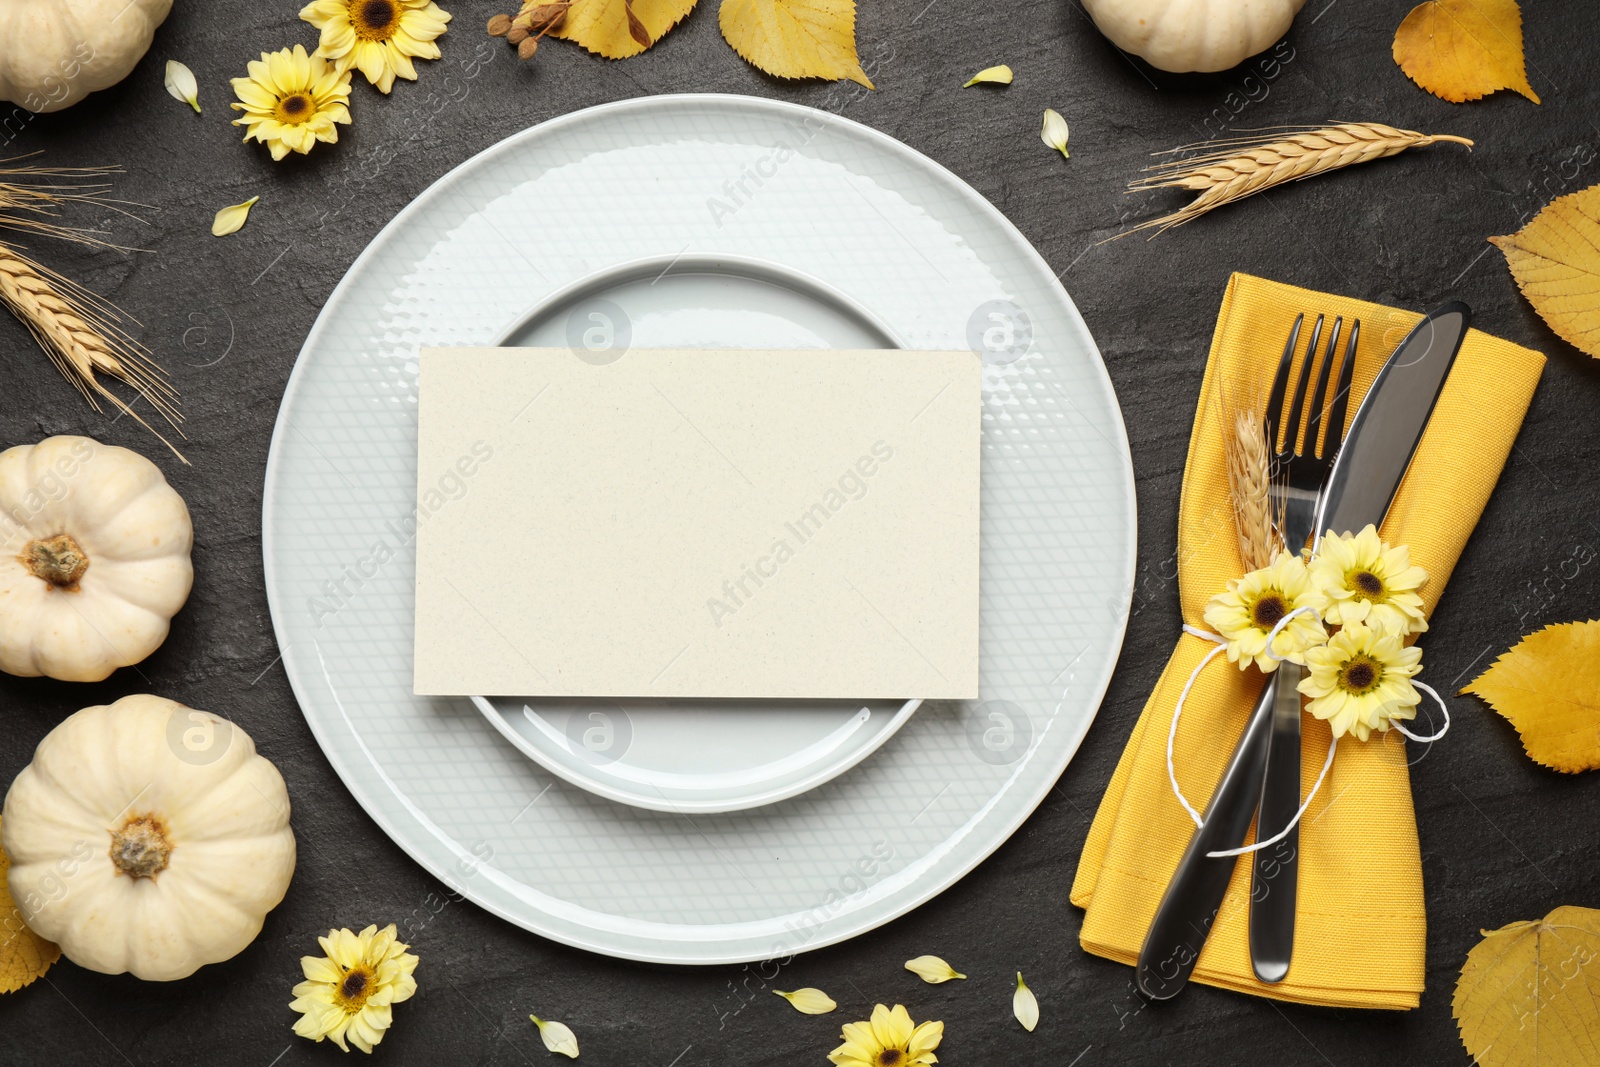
point(1253, 605)
point(888, 1040)
point(347, 993)
point(1365, 580)
point(378, 37)
point(1361, 680)
point(291, 101)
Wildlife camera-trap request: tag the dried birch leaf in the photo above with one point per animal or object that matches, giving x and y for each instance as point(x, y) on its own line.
point(1462, 50)
point(1527, 992)
point(795, 38)
point(1555, 259)
point(613, 28)
point(1548, 687)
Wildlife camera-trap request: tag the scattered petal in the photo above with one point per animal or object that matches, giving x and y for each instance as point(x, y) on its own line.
point(1555, 259)
point(181, 84)
point(1054, 133)
point(231, 219)
point(1548, 686)
point(558, 1037)
point(1000, 75)
point(932, 969)
point(809, 1000)
point(1024, 1005)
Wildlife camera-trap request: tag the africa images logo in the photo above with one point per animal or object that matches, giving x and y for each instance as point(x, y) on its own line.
point(851, 485)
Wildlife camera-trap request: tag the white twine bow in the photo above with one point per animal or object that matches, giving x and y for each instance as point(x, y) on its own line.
point(1327, 764)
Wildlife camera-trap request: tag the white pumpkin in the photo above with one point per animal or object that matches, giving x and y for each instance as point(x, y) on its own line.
point(54, 53)
point(148, 837)
point(94, 558)
point(1193, 35)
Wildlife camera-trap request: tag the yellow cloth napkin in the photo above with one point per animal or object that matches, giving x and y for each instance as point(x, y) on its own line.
point(1359, 935)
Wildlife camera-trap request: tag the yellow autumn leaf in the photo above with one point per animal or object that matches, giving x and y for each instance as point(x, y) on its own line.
point(1555, 259)
point(1548, 687)
point(795, 38)
point(1462, 50)
point(24, 955)
point(601, 26)
point(1527, 992)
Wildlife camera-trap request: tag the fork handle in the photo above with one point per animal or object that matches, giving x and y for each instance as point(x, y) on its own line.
point(1194, 896)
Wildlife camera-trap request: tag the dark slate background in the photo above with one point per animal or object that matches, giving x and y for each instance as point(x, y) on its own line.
point(1502, 838)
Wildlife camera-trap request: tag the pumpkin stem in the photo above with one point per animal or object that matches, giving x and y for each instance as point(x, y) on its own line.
point(58, 560)
point(141, 848)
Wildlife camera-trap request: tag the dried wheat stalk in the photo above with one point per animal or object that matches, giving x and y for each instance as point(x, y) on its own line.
point(81, 333)
point(1243, 166)
point(1249, 484)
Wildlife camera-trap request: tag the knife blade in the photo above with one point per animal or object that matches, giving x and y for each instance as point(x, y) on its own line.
point(1377, 451)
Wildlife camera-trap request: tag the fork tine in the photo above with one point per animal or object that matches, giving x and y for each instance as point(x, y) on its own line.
point(1280, 385)
point(1319, 395)
point(1291, 440)
point(1341, 396)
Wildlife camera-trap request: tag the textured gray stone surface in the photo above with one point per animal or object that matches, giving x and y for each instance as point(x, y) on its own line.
point(1502, 839)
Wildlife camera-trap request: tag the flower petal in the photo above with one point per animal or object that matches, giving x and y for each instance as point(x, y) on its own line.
point(230, 220)
point(1024, 1005)
point(181, 84)
point(810, 1000)
point(1000, 75)
point(932, 969)
point(1054, 132)
point(557, 1037)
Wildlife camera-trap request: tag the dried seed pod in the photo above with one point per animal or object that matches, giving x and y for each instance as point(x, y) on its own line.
point(499, 25)
point(517, 34)
point(546, 17)
point(527, 48)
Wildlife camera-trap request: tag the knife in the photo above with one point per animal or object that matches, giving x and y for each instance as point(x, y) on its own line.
point(1383, 437)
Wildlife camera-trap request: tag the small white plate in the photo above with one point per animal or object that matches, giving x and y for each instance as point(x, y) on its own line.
point(696, 756)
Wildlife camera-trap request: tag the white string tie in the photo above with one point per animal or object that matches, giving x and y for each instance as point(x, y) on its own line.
point(1327, 764)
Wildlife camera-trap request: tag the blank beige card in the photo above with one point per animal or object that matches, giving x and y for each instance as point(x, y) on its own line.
point(705, 523)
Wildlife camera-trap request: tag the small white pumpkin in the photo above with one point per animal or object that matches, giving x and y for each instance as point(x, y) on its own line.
point(94, 558)
point(1193, 35)
point(54, 53)
point(148, 837)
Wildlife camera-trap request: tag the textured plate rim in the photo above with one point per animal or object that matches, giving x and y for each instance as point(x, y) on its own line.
point(677, 952)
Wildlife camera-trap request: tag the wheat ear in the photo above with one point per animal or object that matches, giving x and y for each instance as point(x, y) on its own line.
point(1249, 484)
point(83, 337)
point(1243, 166)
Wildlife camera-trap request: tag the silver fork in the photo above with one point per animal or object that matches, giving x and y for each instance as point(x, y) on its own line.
point(1305, 467)
point(1194, 896)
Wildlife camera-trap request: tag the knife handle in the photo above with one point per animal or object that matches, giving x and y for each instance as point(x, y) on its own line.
point(1195, 894)
point(1275, 873)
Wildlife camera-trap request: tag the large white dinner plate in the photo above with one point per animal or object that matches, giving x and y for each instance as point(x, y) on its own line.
point(817, 197)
